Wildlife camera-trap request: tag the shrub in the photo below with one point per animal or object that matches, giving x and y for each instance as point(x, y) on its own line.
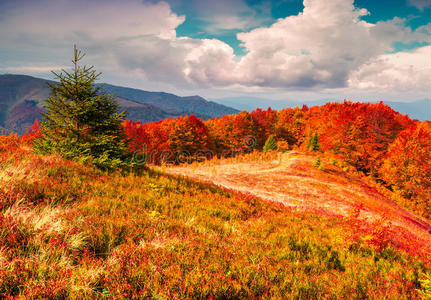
point(317, 162)
point(425, 291)
point(270, 144)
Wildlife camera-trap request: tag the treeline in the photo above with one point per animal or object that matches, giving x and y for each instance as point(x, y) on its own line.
point(189, 138)
point(373, 138)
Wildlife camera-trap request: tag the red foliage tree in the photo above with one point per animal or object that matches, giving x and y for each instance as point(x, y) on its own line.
point(407, 167)
point(264, 122)
point(149, 139)
point(188, 138)
point(168, 139)
point(359, 132)
point(290, 125)
point(137, 135)
point(232, 133)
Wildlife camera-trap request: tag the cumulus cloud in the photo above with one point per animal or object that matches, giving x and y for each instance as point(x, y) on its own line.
point(91, 19)
point(112, 32)
point(319, 47)
point(328, 45)
point(403, 71)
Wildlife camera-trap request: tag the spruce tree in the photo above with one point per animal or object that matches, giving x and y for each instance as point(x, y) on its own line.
point(313, 142)
point(270, 144)
point(81, 122)
point(318, 164)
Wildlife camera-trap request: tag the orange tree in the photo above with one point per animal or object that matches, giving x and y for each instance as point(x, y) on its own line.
point(407, 167)
point(188, 137)
point(359, 132)
point(290, 125)
point(231, 133)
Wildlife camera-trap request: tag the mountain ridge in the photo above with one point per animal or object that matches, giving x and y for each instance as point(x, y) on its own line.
point(169, 102)
point(22, 96)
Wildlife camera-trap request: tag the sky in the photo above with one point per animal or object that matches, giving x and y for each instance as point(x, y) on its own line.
point(363, 50)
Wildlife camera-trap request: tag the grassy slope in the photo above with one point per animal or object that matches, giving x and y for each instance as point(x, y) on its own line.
point(292, 180)
point(69, 230)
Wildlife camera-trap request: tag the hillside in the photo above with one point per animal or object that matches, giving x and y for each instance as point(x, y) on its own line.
point(371, 138)
point(21, 101)
point(341, 210)
point(291, 179)
point(71, 231)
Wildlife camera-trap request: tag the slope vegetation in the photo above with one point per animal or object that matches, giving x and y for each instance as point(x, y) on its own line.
point(69, 230)
point(291, 179)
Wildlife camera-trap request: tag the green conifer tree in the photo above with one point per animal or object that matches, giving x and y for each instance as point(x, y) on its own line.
point(81, 122)
point(313, 143)
point(317, 162)
point(270, 144)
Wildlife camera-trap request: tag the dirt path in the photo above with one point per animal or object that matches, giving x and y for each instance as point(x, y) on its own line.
point(293, 181)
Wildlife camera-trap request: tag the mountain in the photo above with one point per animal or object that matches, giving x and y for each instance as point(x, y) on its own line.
point(22, 96)
point(420, 110)
point(171, 102)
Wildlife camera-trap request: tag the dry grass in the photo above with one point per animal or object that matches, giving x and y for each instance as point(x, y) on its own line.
point(290, 179)
point(70, 231)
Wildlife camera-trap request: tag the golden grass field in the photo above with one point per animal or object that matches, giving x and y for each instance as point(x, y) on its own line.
point(69, 231)
point(289, 178)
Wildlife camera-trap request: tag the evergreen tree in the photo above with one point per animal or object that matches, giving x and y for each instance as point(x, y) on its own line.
point(313, 143)
point(81, 122)
point(270, 144)
point(318, 164)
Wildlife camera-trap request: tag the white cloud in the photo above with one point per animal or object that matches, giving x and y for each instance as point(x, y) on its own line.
point(97, 20)
point(403, 71)
point(219, 23)
point(320, 46)
point(111, 32)
point(327, 46)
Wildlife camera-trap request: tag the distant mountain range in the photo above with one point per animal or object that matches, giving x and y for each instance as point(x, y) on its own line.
point(420, 110)
point(22, 97)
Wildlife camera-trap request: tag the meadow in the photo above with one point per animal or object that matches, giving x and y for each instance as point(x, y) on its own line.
point(293, 179)
point(388, 148)
point(73, 231)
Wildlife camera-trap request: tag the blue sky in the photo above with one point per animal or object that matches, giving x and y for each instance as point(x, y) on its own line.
point(288, 49)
